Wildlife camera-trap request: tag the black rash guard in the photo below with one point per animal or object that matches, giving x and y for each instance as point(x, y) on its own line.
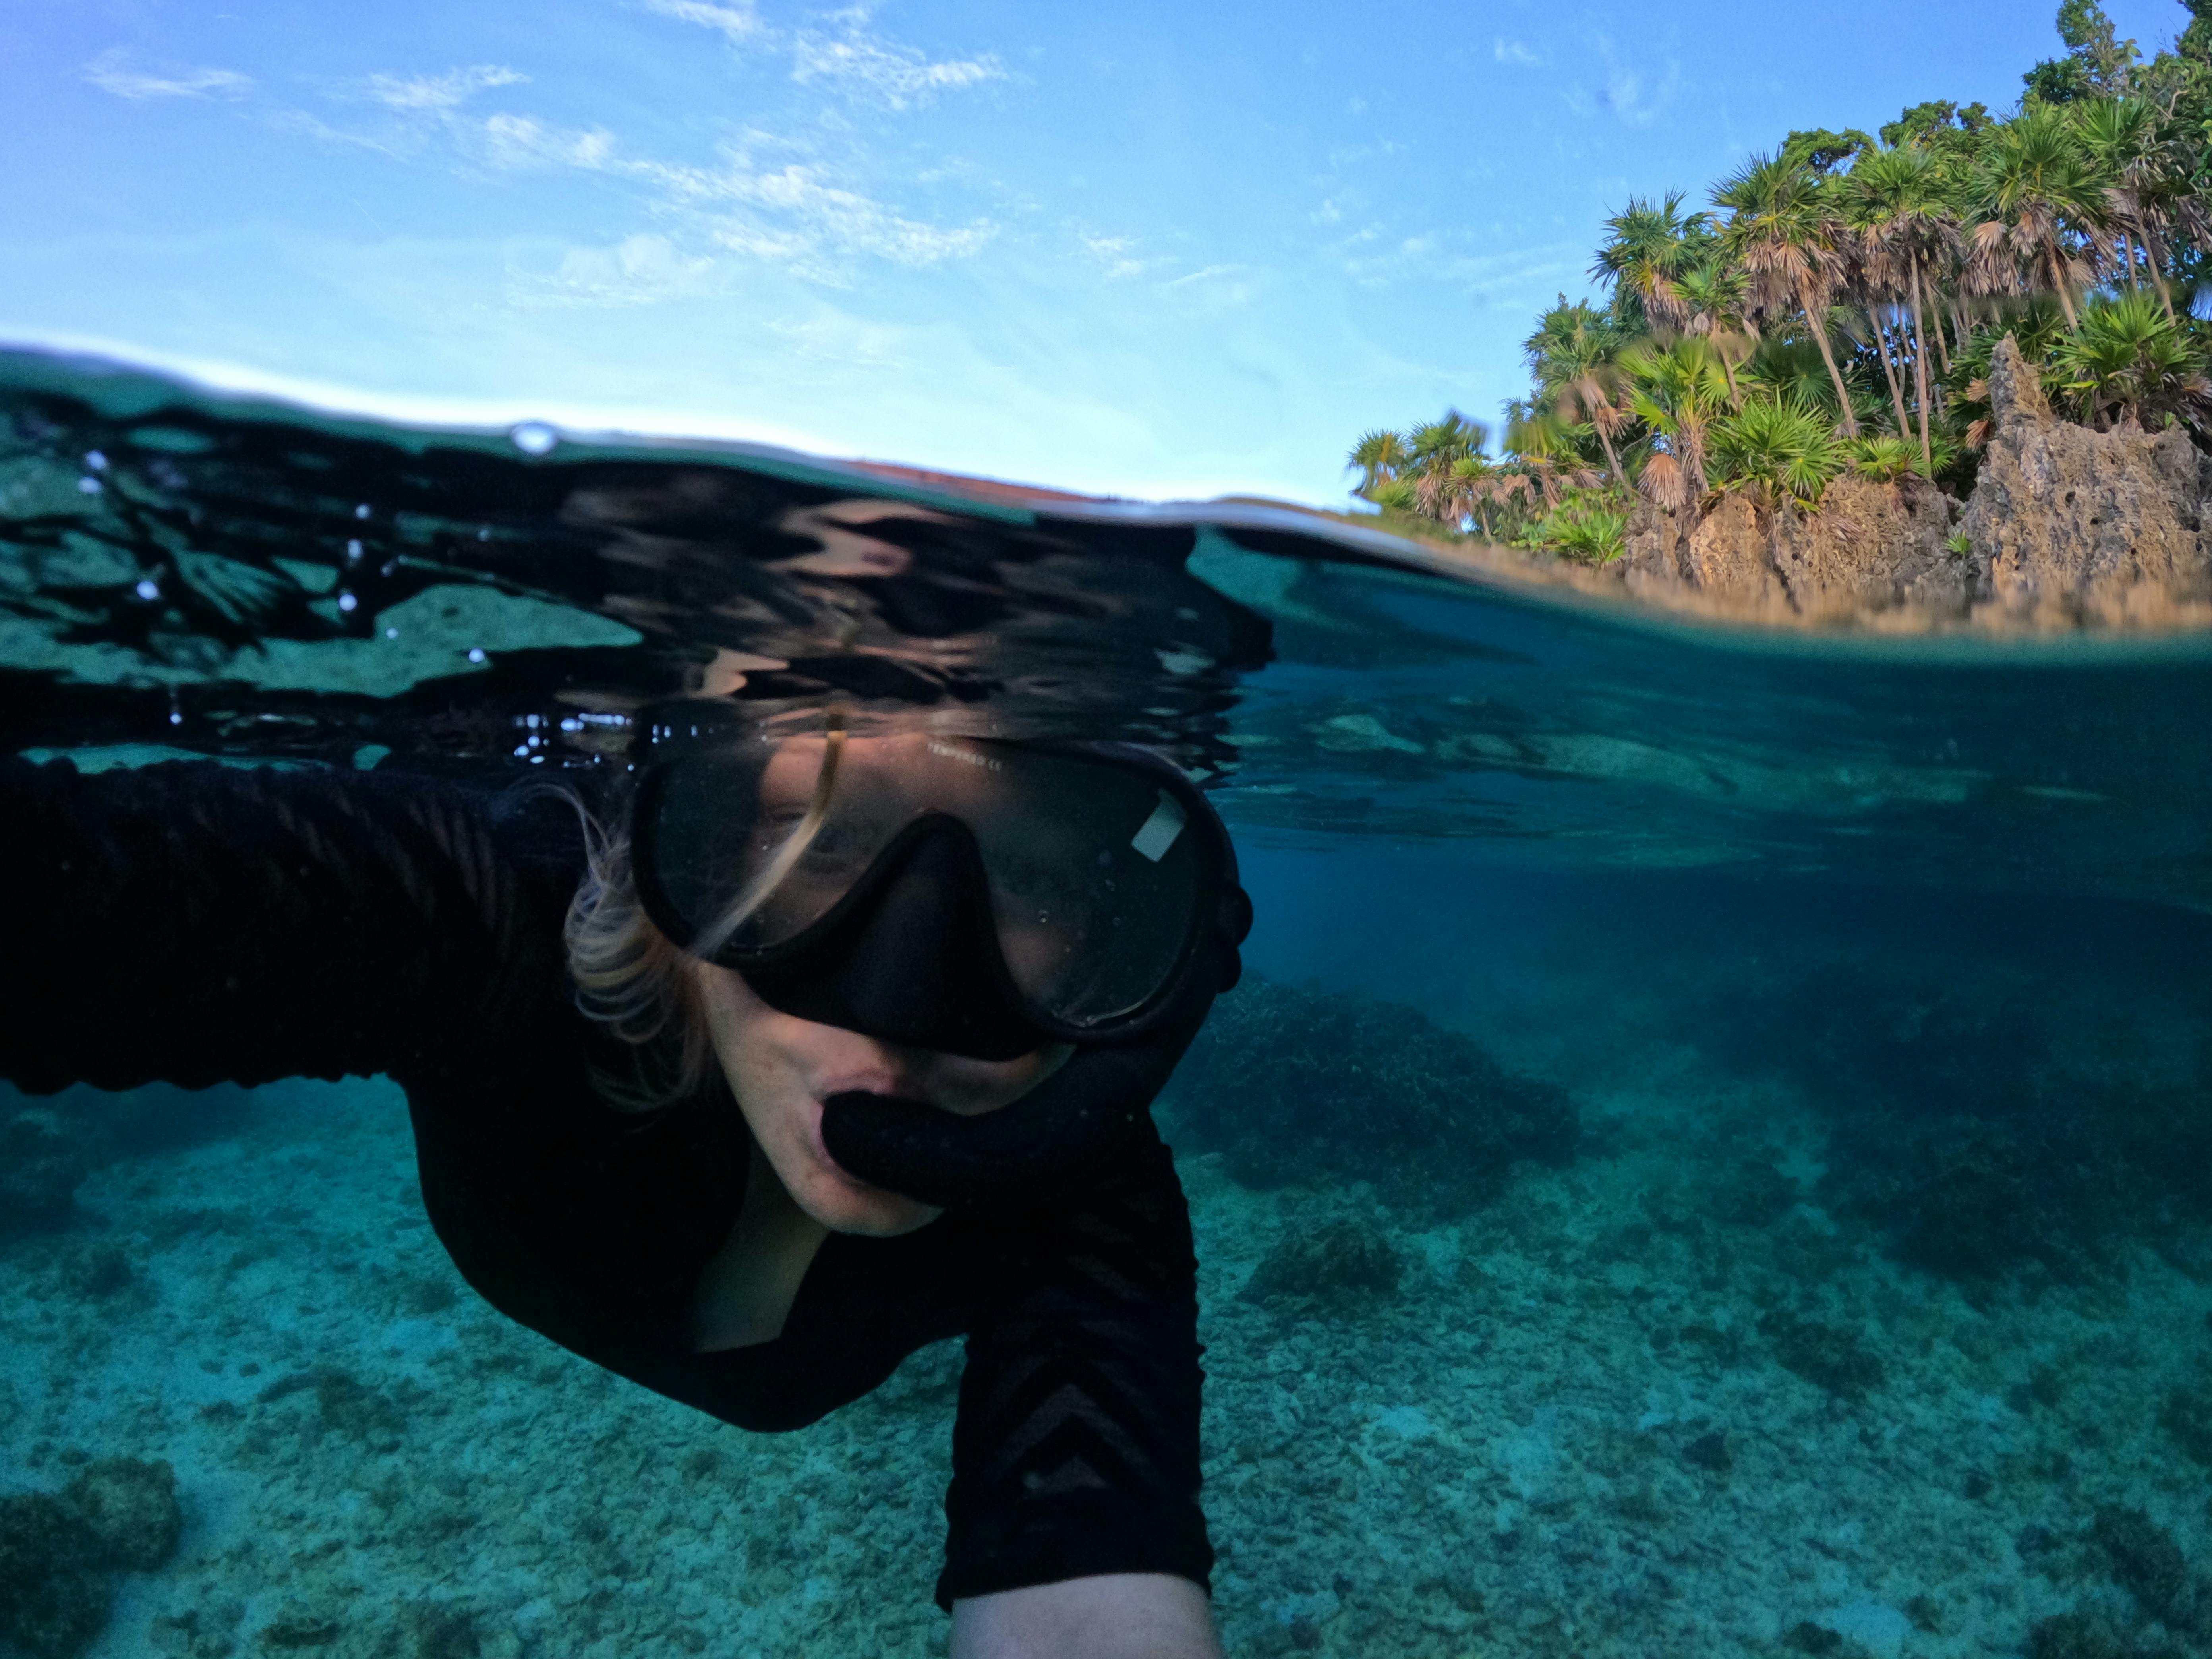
point(196, 923)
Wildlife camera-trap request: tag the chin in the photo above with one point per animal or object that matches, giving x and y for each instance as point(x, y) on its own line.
point(846, 1205)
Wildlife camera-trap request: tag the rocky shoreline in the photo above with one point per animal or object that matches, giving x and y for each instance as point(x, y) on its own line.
point(2067, 528)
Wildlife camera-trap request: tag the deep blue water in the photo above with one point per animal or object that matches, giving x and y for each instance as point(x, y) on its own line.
point(1713, 1154)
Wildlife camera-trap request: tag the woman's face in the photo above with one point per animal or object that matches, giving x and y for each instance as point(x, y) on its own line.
point(781, 1068)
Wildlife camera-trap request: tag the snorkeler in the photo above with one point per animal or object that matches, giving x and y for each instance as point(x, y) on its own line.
point(833, 1047)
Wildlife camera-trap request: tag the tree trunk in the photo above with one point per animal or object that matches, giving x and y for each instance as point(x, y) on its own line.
point(2058, 282)
point(1889, 374)
point(1611, 460)
point(1816, 318)
point(1920, 372)
point(2154, 259)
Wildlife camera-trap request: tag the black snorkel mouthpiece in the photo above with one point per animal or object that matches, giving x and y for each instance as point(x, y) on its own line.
point(1033, 1153)
point(1061, 1134)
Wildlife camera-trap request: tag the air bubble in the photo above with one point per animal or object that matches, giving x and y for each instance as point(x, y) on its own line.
point(533, 437)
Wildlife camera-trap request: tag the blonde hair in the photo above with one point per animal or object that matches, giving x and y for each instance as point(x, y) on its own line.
point(630, 978)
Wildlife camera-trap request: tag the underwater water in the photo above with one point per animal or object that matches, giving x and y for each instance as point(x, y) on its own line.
point(1713, 1153)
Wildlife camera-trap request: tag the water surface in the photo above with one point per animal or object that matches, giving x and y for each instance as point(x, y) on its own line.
point(1714, 1153)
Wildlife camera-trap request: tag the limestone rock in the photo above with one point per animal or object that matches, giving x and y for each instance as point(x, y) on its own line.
point(1722, 568)
point(1874, 547)
point(1871, 548)
point(2068, 525)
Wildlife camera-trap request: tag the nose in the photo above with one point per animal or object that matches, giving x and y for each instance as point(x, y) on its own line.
point(919, 964)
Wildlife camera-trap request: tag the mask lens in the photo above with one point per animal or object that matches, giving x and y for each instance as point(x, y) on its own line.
point(729, 829)
point(1095, 878)
point(1094, 883)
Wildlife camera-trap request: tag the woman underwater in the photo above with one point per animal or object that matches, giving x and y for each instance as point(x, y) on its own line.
point(834, 1046)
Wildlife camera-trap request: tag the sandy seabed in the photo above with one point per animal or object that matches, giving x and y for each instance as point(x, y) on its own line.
point(1572, 1430)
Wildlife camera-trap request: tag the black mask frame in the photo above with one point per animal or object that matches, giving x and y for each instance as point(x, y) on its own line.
point(910, 953)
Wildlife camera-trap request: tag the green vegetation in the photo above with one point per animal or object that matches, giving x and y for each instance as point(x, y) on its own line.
point(1833, 311)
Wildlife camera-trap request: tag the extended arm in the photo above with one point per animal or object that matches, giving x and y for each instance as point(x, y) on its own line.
point(196, 923)
point(1074, 1501)
point(1121, 1615)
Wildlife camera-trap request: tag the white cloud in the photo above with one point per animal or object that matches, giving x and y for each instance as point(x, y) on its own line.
point(514, 142)
point(1512, 52)
point(899, 76)
point(737, 23)
point(108, 73)
point(1631, 94)
point(1368, 260)
point(1118, 254)
point(1216, 288)
point(640, 269)
point(434, 93)
point(792, 215)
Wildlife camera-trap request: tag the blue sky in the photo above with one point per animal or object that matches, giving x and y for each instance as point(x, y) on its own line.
point(1150, 248)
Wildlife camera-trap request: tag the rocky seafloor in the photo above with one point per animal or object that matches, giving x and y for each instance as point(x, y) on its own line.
point(1672, 1387)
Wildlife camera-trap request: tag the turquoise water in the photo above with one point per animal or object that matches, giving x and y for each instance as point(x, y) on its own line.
point(1713, 1154)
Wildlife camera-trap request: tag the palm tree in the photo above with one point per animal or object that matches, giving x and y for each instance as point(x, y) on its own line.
point(1379, 456)
point(1678, 391)
point(1781, 454)
point(1646, 250)
point(1713, 300)
point(1571, 354)
point(1434, 451)
point(2128, 354)
point(1786, 233)
point(1542, 444)
point(2037, 189)
point(2122, 138)
point(1896, 203)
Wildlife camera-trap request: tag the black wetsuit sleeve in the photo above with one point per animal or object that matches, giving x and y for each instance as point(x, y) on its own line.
point(196, 923)
point(1075, 1452)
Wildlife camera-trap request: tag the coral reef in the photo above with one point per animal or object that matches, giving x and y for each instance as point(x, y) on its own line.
point(1339, 1269)
point(2144, 1559)
point(49, 1145)
point(1971, 1142)
point(119, 1515)
point(1832, 1358)
point(2074, 1635)
point(2186, 1414)
point(40, 1170)
point(1295, 1083)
